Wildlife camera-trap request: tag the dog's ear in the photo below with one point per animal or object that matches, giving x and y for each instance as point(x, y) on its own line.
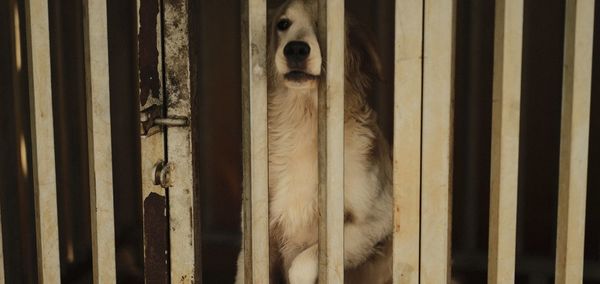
point(362, 55)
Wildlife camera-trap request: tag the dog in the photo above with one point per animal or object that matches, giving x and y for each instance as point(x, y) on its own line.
point(295, 68)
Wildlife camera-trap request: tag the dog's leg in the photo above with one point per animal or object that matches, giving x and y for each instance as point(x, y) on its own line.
point(304, 268)
point(359, 243)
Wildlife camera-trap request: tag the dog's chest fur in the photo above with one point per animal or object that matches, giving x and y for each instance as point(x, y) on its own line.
point(293, 167)
point(293, 172)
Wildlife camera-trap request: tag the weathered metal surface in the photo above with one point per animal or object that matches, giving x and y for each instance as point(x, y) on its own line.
point(407, 139)
point(150, 65)
point(42, 136)
point(149, 58)
point(155, 207)
point(179, 139)
point(331, 142)
point(254, 139)
point(436, 167)
point(575, 127)
point(505, 141)
point(99, 141)
point(156, 240)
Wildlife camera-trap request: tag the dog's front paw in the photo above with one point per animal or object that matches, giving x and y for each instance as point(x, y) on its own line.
point(304, 268)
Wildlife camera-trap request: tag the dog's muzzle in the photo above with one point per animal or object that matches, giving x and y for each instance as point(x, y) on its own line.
point(296, 53)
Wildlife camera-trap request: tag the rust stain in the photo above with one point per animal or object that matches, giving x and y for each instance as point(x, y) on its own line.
point(156, 257)
point(148, 50)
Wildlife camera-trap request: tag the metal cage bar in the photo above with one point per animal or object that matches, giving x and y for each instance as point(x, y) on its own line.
point(575, 126)
point(505, 140)
point(179, 140)
point(255, 152)
point(436, 167)
point(99, 141)
point(42, 136)
point(408, 70)
point(331, 33)
point(152, 142)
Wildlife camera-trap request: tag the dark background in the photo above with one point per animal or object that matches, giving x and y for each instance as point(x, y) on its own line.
point(217, 105)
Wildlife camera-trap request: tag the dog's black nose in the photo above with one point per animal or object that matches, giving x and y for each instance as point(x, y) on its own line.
point(296, 50)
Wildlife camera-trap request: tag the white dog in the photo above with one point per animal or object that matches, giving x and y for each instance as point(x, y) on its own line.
point(294, 72)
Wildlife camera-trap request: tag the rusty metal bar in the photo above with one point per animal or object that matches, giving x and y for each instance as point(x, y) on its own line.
point(255, 152)
point(99, 141)
point(154, 196)
point(179, 140)
point(575, 127)
point(42, 136)
point(408, 74)
point(331, 142)
point(436, 167)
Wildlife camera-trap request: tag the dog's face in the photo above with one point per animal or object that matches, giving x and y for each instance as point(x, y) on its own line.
point(295, 51)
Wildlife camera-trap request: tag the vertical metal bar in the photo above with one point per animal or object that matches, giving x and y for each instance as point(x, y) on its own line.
point(575, 125)
point(255, 154)
point(42, 136)
point(436, 180)
point(154, 196)
point(331, 142)
point(99, 141)
point(505, 140)
point(179, 140)
point(408, 73)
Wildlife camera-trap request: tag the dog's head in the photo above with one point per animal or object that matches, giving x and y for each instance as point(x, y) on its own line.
point(295, 54)
point(294, 49)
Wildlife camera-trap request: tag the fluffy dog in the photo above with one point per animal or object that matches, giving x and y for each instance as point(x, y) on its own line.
point(294, 72)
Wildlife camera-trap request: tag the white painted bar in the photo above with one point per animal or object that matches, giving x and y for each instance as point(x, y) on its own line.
point(436, 167)
point(42, 137)
point(99, 141)
point(407, 139)
point(331, 142)
point(179, 141)
point(575, 125)
point(505, 140)
point(255, 154)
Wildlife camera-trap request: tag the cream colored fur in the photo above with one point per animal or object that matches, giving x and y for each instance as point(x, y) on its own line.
point(293, 172)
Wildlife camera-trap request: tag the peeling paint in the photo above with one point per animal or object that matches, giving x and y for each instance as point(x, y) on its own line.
point(155, 239)
point(179, 139)
point(148, 50)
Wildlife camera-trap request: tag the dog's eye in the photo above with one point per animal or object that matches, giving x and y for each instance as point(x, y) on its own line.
point(283, 24)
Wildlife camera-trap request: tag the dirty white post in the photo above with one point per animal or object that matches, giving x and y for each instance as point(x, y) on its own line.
point(99, 141)
point(574, 139)
point(179, 141)
point(42, 136)
point(331, 142)
point(436, 180)
point(505, 140)
point(255, 152)
point(408, 61)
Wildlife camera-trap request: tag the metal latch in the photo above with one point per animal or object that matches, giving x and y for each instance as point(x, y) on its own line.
point(152, 121)
point(161, 174)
